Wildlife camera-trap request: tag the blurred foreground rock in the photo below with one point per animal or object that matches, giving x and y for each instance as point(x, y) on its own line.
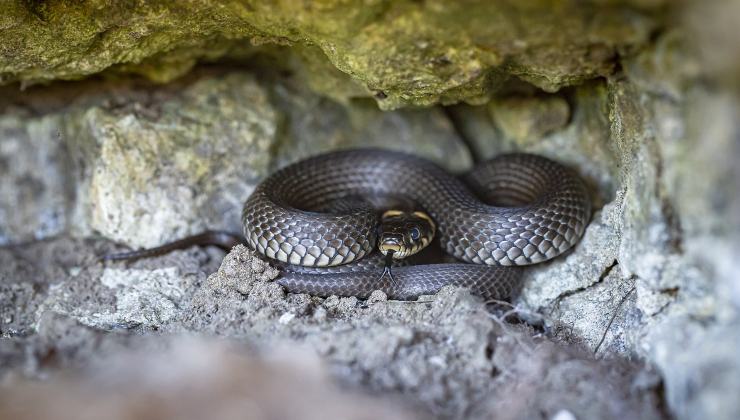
point(445, 356)
point(188, 378)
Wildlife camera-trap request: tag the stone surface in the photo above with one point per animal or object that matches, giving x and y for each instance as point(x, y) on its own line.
point(704, 269)
point(184, 378)
point(529, 119)
point(30, 272)
point(447, 355)
point(184, 159)
point(656, 263)
point(35, 202)
point(653, 266)
point(149, 160)
point(400, 52)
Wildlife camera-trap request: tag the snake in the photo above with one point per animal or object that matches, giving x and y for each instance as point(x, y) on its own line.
point(333, 221)
point(320, 220)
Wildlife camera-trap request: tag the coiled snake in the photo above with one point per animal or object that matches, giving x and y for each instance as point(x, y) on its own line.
point(320, 218)
point(322, 212)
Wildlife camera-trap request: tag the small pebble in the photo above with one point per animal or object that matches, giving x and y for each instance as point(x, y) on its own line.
point(377, 296)
point(286, 318)
point(320, 314)
point(563, 415)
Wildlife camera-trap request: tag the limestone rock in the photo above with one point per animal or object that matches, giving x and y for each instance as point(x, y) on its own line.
point(35, 198)
point(153, 166)
point(142, 180)
point(530, 119)
point(400, 52)
point(447, 355)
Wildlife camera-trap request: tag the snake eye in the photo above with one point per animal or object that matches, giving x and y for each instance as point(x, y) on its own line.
point(414, 232)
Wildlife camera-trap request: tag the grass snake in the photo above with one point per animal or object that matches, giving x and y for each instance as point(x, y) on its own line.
point(319, 218)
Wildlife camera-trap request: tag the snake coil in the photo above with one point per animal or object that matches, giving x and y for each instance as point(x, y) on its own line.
point(315, 217)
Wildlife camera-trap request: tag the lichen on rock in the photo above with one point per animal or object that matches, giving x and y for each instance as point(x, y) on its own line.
point(183, 159)
point(401, 53)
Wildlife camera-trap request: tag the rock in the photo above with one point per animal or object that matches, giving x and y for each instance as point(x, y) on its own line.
point(400, 53)
point(612, 278)
point(700, 152)
point(18, 305)
point(315, 125)
point(444, 354)
point(572, 134)
point(34, 165)
point(436, 352)
point(529, 119)
point(63, 276)
point(699, 363)
point(30, 272)
point(144, 297)
point(184, 159)
point(652, 258)
point(184, 377)
point(550, 380)
point(148, 160)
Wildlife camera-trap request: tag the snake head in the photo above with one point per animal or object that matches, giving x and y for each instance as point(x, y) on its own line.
point(405, 233)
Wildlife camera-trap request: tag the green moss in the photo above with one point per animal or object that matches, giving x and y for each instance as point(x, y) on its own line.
point(400, 52)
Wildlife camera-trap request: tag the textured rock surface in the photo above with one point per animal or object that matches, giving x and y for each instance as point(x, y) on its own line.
point(183, 159)
point(178, 377)
point(401, 52)
point(446, 355)
point(33, 166)
point(180, 164)
point(656, 262)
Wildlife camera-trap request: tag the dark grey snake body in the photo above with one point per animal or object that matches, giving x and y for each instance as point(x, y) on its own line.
point(541, 211)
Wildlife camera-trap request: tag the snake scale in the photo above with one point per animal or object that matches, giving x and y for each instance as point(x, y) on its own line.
point(512, 211)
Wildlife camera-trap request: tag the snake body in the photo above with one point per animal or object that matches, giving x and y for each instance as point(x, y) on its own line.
point(319, 213)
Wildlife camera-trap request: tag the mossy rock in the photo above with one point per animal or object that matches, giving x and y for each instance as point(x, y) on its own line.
point(400, 52)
